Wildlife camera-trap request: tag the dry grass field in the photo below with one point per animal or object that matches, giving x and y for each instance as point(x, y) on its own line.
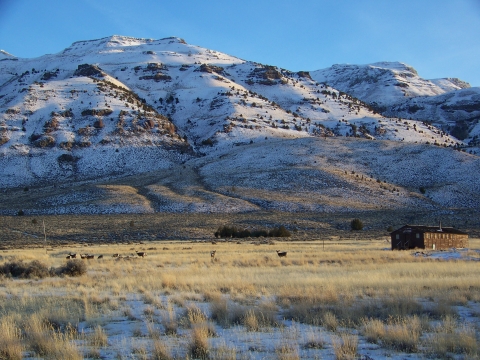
point(343, 298)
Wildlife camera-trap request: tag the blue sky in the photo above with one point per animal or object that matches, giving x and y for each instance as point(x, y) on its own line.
point(439, 38)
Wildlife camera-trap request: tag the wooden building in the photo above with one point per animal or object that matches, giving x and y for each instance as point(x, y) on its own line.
point(428, 237)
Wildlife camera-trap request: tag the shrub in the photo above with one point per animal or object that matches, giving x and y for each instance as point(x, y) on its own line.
point(66, 145)
point(34, 137)
point(356, 224)
point(98, 124)
point(73, 268)
point(51, 126)
point(233, 232)
point(4, 139)
point(44, 141)
point(66, 158)
point(36, 269)
point(207, 142)
point(33, 270)
point(279, 232)
point(97, 112)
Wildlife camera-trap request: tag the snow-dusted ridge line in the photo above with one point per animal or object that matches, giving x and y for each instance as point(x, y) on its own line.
point(143, 105)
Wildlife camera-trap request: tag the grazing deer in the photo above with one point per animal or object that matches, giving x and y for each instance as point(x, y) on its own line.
point(69, 256)
point(116, 255)
point(83, 256)
point(281, 253)
point(212, 254)
point(141, 253)
point(72, 256)
point(100, 257)
point(89, 257)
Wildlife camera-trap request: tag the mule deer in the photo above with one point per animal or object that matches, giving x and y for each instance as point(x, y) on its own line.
point(212, 254)
point(141, 253)
point(281, 253)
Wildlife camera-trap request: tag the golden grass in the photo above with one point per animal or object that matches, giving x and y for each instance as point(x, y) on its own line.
point(11, 346)
point(49, 343)
point(198, 346)
point(452, 338)
point(98, 338)
point(345, 346)
point(160, 350)
point(248, 285)
point(223, 352)
point(403, 334)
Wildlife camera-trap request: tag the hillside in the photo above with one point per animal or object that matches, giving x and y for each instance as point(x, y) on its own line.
point(121, 124)
point(396, 90)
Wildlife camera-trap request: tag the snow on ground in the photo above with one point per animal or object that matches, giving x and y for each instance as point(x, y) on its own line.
point(127, 333)
point(397, 81)
point(451, 254)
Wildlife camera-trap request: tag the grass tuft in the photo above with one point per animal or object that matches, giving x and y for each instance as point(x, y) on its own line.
point(448, 338)
point(99, 337)
point(198, 347)
point(403, 334)
point(160, 350)
point(10, 340)
point(345, 346)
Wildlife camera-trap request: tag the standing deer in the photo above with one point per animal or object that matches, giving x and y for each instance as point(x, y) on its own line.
point(141, 253)
point(281, 253)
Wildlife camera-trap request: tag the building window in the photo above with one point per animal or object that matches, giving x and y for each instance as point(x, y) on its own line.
point(418, 236)
point(397, 236)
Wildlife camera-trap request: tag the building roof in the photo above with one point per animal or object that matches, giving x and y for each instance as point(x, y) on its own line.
point(430, 229)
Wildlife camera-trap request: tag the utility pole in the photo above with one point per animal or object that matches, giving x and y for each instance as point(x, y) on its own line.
point(45, 237)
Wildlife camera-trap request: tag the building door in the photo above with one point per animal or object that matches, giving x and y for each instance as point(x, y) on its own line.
point(407, 241)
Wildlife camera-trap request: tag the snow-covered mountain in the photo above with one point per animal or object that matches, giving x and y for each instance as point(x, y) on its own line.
point(384, 83)
point(395, 89)
point(104, 109)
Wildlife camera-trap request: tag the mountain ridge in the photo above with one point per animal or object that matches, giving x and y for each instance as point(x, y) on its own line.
point(108, 109)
